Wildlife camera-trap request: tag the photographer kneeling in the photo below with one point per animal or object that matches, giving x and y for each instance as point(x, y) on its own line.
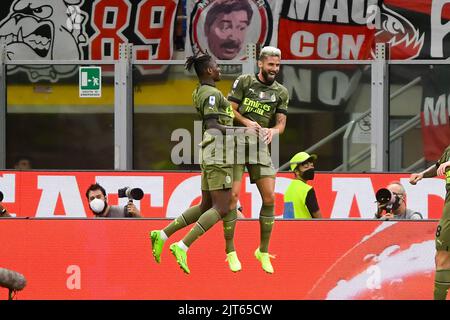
point(392, 205)
point(98, 202)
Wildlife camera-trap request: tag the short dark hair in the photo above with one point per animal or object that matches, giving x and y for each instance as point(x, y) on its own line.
point(201, 61)
point(22, 157)
point(94, 187)
point(226, 7)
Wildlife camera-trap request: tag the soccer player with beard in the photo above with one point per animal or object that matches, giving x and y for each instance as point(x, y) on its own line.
point(258, 101)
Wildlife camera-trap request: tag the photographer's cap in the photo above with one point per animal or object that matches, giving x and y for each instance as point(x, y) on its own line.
point(300, 158)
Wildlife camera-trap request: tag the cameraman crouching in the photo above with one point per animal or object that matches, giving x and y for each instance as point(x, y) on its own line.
point(98, 203)
point(392, 205)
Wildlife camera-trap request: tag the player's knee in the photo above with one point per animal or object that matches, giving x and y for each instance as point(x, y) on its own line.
point(222, 209)
point(268, 199)
point(442, 259)
point(205, 204)
point(222, 212)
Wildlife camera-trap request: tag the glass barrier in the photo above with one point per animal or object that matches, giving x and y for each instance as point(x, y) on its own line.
point(407, 88)
point(165, 118)
point(323, 98)
point(48, 122)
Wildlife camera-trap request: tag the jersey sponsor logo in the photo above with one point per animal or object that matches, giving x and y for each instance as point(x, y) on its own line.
point(255, 106)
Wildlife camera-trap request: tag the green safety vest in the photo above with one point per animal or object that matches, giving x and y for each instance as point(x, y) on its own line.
point(295, 200)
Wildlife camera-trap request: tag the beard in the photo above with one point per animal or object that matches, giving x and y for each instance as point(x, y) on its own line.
point(268, 78)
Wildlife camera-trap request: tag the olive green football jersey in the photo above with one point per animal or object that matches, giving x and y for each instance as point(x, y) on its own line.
point(210, 103)
point(258, 101)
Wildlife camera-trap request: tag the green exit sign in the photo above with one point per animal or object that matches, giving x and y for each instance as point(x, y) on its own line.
point(90, 82)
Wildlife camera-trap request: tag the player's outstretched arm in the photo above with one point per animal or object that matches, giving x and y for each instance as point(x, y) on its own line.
point(428, 173)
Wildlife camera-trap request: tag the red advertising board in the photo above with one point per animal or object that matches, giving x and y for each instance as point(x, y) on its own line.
point(111, 259)
point(45, 194)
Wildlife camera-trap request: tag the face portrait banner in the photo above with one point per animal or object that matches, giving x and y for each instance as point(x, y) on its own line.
point(225, 27)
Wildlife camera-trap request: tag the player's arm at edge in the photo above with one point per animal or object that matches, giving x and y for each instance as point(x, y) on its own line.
point(427, 173)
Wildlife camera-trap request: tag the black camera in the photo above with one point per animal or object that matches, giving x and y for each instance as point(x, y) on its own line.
point(131, 194)
point(387, 199)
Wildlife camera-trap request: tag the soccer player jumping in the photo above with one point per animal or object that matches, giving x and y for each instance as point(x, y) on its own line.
point(217, 164)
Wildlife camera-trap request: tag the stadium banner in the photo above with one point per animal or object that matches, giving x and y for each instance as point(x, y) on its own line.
point(48, 194)
point(100, 259)
point(434, 112)
point(319, 29)
point(348, 30)
point(223, 28)
point(85, 30)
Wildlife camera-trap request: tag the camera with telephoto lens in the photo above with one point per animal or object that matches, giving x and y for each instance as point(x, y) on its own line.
point(131, 194)
point(387, 199)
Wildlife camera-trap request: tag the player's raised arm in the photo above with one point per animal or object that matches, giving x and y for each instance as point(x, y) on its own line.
point(427, 173)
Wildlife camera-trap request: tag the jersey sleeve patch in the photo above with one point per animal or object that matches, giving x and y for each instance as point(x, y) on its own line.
point(212, 100)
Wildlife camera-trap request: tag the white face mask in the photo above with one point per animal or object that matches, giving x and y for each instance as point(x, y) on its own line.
point(97, 205)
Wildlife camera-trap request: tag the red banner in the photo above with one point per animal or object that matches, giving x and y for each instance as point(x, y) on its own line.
point(111, 259)
point(312, 41)
point(434, 114)
point(436, 137)
point(47, 194)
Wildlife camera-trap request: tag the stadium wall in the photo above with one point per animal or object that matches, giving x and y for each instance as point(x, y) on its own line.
point(50, 194)
point(112, 259)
